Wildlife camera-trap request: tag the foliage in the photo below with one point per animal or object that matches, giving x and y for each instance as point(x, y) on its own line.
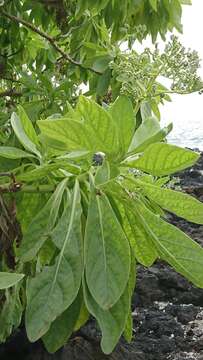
point(84, 189)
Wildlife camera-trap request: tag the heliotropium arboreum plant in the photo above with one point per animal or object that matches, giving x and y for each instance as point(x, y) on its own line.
point(92, 200)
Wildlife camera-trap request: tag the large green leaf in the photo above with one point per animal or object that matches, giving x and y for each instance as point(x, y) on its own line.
point(100, 124)
point(141, 244)
point(22, 135)
point(123, 115)
point(53, 290)
point(62, 328)
point(181, 204)
point(70, 133)
point(174, 246)
point(107, 253)
point(9, 279)
point(95, 132)
point(13, 153)
point(112, 321)
point(148, 133)
point(162, 159)
point(40, 227)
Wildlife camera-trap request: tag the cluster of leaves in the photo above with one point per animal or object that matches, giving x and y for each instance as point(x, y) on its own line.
point(35, 74)
point(92, 200)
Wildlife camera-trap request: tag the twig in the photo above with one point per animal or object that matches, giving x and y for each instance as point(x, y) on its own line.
point(49, 39)
point(10, 93)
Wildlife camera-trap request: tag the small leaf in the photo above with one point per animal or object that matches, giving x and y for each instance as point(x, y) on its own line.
point(161, 159)
point(153, 4)
point(11, 313)
point(148, 132)
point(27, 126)
point(9, 279)
point(103, 83)
point(107, 253)
point(13, 153)
point(105, 173)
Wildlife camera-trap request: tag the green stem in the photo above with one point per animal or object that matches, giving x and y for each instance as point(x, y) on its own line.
point(13, 188)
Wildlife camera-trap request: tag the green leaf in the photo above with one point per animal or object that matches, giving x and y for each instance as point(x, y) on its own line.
point(141, 244)
point(83, 316)
point(123, 115)
point(103, 83)
point(96, 132)
point(70, 133)
point(181, 204)
point(112, 321)
point(173, 246)
point(9, 279)
point(153, 4)
point(27, 126)
point(107, 253)
point(106, 172)
point(41, 226)
point(53, 290)
point(148, 132)
point(100, 124)
point(46, 170)
point(145, 110)
point(11, 313)
point(22, 136)
point(162, 159)
point(13, 153)
point(62, 328)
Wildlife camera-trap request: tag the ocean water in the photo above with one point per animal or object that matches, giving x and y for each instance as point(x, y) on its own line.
point(188, 135)
point(186, 114)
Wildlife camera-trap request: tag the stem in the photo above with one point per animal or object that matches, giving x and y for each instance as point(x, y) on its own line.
point(50, 39)
point(8, 188)
point(171, 92)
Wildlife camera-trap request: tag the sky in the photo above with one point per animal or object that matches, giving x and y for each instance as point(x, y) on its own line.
point(186, 111)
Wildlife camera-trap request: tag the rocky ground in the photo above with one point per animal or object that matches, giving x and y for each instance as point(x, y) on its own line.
point(167, 311)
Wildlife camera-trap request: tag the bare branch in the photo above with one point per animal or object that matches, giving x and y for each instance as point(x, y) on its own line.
point(50, 39)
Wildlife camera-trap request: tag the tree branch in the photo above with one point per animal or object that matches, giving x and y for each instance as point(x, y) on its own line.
point(49, 39)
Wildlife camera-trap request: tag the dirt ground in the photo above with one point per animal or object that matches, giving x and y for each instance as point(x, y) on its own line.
point(167, 311)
